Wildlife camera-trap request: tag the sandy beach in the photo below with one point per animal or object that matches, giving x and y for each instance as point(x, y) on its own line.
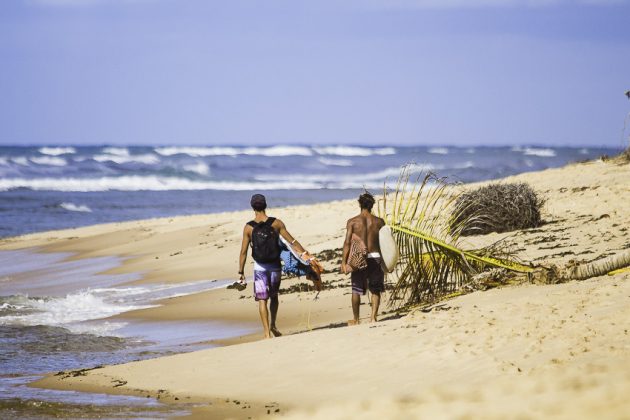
point(523, 351)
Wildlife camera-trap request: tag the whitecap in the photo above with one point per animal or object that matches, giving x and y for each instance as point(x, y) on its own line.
point(584, 151)
point(118, 151)
point(335, 162)
point(147, 159)
point(199, 168)
point(470, 150)
point(234, 151)
point(278, 151)
point(197, 151)
point(438, 150)
point(354, 151)
point(56, 151)
point(533, 151)
point(49, 160)
point(74, 207)
point(20, 160)
point(146, 183)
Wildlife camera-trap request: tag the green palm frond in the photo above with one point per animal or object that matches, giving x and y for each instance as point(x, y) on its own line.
point(432, 264)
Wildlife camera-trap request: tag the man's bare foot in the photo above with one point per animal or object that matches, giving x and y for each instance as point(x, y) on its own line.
point(275, 332)
point(265, 336)
point(353, 322)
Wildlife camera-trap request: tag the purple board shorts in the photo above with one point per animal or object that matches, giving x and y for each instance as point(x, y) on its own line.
point(266, 284)
point(370, 278)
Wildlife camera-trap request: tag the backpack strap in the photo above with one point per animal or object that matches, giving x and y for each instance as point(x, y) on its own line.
point(270, 220)
point(252, 223)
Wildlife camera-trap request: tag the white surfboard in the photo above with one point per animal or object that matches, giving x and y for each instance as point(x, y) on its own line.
point(293, 251)
point(389, 248)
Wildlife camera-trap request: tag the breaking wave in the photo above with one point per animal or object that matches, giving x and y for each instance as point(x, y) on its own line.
point(49, 161)
point(438, 150)
point(335, 162)
point(354, 151)
point(535, 151)
point(74, 207)
point(145, 183)
point(147, 159)
point(74, 309)
point(56, 151)
point(234, 151)
point(118, 151)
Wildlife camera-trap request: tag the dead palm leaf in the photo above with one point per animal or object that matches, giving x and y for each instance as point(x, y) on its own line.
point(432, 264)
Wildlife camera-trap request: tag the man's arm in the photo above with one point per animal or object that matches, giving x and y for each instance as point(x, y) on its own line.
point(346, 248)
point(287, 236)
point(247, 236)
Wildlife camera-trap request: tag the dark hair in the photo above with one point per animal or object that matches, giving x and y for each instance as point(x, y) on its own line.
point(258, 202)
point(366, 201)
point(259, 206)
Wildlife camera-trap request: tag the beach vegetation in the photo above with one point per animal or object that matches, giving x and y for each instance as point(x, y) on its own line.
point(427, 226)
point(498, 207)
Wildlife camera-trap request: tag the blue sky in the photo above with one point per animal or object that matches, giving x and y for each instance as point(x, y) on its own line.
point(455, 72)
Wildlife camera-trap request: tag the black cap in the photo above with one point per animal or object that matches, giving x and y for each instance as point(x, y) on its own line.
point(258, 200)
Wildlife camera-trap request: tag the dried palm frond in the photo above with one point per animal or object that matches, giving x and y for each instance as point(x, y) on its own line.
point(427, 228)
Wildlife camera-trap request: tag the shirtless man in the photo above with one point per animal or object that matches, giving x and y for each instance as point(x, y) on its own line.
point(266, 274)
point(366, 227)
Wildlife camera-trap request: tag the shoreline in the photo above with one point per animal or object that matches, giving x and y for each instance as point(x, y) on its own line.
point(467, 344)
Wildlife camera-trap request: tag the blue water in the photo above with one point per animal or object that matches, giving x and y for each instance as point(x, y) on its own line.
point(55, 315)
point(45, 188)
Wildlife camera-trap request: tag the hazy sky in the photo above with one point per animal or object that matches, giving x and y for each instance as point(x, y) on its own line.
point(454, 72)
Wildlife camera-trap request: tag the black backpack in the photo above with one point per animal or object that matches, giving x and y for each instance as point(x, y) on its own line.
point(265, 248)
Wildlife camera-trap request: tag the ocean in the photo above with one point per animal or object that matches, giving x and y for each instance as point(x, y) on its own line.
point(55, 187)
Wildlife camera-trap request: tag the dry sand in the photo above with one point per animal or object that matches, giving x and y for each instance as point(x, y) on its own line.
point(526, 351)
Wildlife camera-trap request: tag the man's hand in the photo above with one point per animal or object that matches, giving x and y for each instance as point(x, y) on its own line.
point(345, 269)
point(241, 278)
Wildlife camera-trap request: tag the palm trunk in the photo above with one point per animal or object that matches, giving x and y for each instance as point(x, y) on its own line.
point(598, 268)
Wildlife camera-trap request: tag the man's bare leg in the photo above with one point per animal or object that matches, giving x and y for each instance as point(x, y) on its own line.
point(264, 317)
point(273, 307)
point(376, 301)
point(356, 303)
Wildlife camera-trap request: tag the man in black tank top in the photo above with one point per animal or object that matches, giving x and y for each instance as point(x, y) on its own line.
point(261, 232)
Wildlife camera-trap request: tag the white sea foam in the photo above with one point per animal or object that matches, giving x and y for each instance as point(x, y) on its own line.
point(335, 162)
point(354, 151)
point(438, 150)
point(197, 151)
point(74, 207)
point(75, 307)
point(470, 150)
point(73, 310)
point(4, 161)
point(234, 151)
point(118, 151)
point(20, 160)
point(198, 168)
point(147, 159)
point(145, 183)
point(584, 151)
point(56, 151)
point(278, 151)
point(49, 160)
point(533, 151)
